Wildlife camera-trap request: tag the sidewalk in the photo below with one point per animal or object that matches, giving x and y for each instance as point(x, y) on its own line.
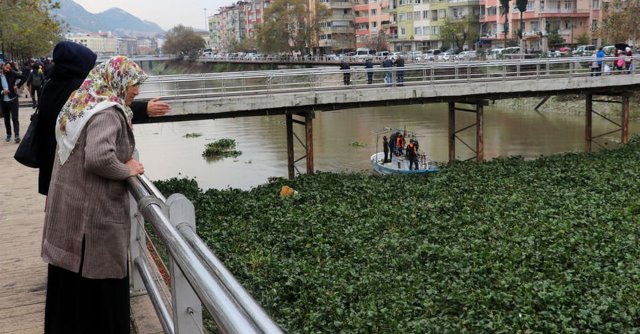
point(22, 272)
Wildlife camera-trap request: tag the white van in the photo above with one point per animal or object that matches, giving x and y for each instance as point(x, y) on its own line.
point(364, 53)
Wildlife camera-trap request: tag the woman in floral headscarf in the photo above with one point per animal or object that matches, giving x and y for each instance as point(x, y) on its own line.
point(86, 232)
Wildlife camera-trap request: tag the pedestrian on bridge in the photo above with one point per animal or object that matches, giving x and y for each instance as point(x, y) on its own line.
point(86, 231)
point(400, 73)
point(388, 77)
point(368, 64)
point(346, 75)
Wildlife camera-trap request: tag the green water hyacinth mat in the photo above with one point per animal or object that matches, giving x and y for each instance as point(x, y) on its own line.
point(507, 246)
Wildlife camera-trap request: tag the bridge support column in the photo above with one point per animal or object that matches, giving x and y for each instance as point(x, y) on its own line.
point(307, 144)
point(623, 126)
point(479, 126)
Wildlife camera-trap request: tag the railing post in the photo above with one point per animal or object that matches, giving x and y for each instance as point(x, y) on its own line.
point(187, 309)
point(138, 239)
point(625, 119)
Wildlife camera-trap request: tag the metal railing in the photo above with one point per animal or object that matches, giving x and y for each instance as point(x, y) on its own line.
point(197, 275)
point(330, 77)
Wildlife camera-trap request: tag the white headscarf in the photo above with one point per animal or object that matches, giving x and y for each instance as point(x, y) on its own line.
point(105, 86)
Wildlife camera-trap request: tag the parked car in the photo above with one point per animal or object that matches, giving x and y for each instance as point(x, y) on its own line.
point(584, 50)
point(467, 55)
point(382, 54)
point(416, 56)
point(432, 55)
point(609, 50)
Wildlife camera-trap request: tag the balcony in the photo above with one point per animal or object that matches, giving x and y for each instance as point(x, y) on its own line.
point(340, 4)
point(361, 19)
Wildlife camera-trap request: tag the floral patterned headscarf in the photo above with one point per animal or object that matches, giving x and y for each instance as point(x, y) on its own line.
point(105, 86)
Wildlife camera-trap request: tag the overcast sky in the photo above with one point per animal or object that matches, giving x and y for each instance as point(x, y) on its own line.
point(166, 13)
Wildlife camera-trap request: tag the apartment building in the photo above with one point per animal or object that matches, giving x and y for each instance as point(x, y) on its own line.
point(370, 18)
point(338, 32)
point(571, 18)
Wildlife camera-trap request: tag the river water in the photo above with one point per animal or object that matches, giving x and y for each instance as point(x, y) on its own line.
point(344, 140)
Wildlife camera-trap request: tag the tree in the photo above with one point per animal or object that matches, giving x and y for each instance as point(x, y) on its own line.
point(522, 7)
point(504, 8)
point(28, 29)
point(583, 39)
point(459, 32)
point(621, 21)
point(183, 41)
point(288, 27)
point(554, 39)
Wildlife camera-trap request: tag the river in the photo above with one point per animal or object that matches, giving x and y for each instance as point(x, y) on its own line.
point(344, 140)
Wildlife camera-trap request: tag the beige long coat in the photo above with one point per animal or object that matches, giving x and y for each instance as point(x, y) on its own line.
point(88, 201)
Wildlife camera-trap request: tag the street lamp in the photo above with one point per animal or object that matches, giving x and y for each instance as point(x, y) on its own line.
point(206, 21)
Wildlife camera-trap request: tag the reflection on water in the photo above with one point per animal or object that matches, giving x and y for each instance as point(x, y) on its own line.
point(166, 152)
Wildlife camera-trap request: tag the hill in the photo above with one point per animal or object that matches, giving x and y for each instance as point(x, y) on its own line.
point(115, 20)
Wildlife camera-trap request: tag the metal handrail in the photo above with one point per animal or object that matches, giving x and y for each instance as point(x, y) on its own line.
point(330, 78)
point(233, 310)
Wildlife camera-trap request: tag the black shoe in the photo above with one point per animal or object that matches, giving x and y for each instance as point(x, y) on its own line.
point(17, 140)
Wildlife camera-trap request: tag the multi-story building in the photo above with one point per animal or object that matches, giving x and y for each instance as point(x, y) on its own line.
point(231, 25)
point(338, 32)
point(147, 46)
point(369, 21)
point(102, 43)
point(570, 18)
point(214, 33)
point(127, 46)
point(415, 24)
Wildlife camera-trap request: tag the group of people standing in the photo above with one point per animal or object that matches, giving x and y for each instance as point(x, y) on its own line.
point(387, 62)
point(86, 148)
point(395, 146)
point(623, 62)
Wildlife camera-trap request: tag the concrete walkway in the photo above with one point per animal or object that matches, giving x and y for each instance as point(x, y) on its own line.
point(23, 275)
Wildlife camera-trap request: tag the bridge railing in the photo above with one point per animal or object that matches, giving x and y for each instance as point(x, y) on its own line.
point(196, 274)
point(211, 85)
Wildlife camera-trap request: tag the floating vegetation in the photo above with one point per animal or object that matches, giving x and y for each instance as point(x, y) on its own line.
point(193, 135)
point(503, 246)
point(358, 144)
point(222, 148)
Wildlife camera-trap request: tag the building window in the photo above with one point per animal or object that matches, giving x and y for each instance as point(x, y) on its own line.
point(425, 14)
point(595, 4)
point(535, 26)
point(402, 17)
point(594, 25)
point(373, 11)
point(403, 31)
point(417, 31)
point(442, 13)
point(435, 30)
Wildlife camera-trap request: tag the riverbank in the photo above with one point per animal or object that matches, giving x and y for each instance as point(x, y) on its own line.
point(509, 245)
point(570, 105)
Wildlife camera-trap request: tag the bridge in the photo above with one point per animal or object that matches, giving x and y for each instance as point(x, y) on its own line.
point(299, 93)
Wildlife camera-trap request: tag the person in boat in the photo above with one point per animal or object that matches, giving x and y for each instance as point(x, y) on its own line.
point(392, 143)
point(400, 144)
point(412, 154)
point(385, 146)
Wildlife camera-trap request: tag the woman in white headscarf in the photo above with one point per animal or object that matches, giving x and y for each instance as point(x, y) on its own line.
point(86, 231)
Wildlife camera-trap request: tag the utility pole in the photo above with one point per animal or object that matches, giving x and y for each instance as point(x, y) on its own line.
point(206, 20)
